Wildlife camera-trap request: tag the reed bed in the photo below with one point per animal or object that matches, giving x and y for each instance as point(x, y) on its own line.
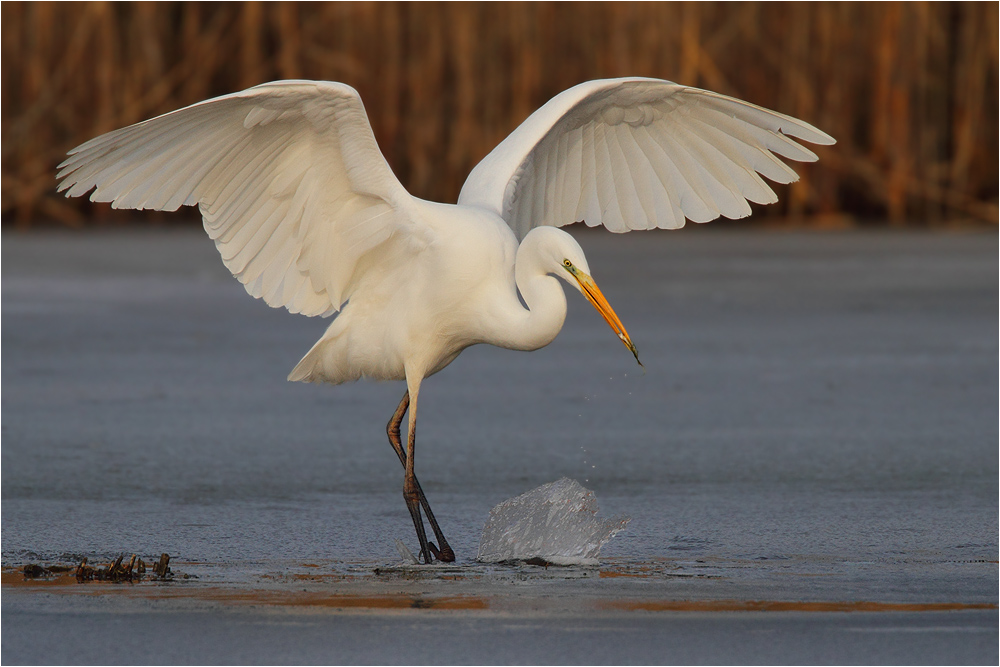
point(909, 90)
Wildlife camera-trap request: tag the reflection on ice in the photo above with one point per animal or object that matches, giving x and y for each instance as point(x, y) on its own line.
point(554, 523)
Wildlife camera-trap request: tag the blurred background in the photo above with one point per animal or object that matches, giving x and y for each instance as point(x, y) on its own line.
point(908, 89)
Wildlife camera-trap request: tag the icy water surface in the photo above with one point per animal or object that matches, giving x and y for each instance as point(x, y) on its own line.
point(817, 421)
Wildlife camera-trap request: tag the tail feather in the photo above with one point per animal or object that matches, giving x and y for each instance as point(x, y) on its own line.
point(305, 370)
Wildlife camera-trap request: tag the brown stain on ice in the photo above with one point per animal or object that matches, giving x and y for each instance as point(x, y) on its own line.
point(779, 605)
point(16, 579)
point(336, 601)
point(66, 583)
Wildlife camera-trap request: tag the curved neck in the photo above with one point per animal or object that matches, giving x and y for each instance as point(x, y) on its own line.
point(538, 325)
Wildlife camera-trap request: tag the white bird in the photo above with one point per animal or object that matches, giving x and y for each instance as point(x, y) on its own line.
point(308, 215)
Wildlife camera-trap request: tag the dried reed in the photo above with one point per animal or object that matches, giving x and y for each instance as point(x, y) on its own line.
point(910, 90)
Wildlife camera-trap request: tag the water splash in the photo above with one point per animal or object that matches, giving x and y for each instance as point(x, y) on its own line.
point(554, 523)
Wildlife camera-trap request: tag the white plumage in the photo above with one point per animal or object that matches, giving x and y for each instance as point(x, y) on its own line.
point(307, 214)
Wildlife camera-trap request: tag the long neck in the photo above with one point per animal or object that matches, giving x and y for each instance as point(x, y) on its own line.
point(538, 325)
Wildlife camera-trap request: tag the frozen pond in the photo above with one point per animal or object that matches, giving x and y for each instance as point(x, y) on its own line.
point(817, 422)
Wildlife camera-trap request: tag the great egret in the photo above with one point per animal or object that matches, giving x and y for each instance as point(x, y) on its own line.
point(307, 214)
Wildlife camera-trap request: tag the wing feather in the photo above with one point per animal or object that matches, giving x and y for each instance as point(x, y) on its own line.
point(728, 163)
point(641, 173)
point(562, 200)
point(590, 206)
point(572, 175)
point(606, 195)
point(626, 194)
point(752, 142)
point(666, 173)
point(651, 154)
point(287, 176)
point(706, 201)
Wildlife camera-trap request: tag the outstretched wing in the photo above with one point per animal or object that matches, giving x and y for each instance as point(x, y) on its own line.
point(288, 178)
point(637, 154)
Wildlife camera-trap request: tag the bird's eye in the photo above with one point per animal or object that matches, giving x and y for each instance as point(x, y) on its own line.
point(567, 263)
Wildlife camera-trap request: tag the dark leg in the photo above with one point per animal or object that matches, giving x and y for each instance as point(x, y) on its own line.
point(411, 493)
point(445, 554)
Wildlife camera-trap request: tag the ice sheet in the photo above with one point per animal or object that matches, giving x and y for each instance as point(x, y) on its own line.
point(554, 523)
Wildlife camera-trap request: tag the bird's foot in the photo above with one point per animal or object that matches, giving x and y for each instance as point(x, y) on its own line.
point(445, 554)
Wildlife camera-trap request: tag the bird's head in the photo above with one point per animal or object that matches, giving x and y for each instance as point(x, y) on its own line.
point(562, 256)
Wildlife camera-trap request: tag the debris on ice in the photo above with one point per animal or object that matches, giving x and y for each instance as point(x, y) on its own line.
point(406, 554)
point(554, 523)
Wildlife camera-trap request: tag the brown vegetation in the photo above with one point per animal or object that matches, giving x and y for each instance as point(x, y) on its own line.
point(909, 90)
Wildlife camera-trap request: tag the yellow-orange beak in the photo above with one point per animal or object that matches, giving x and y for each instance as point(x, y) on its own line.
point(597, 300)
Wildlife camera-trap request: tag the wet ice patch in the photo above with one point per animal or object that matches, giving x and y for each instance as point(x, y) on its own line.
point(554, 523)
